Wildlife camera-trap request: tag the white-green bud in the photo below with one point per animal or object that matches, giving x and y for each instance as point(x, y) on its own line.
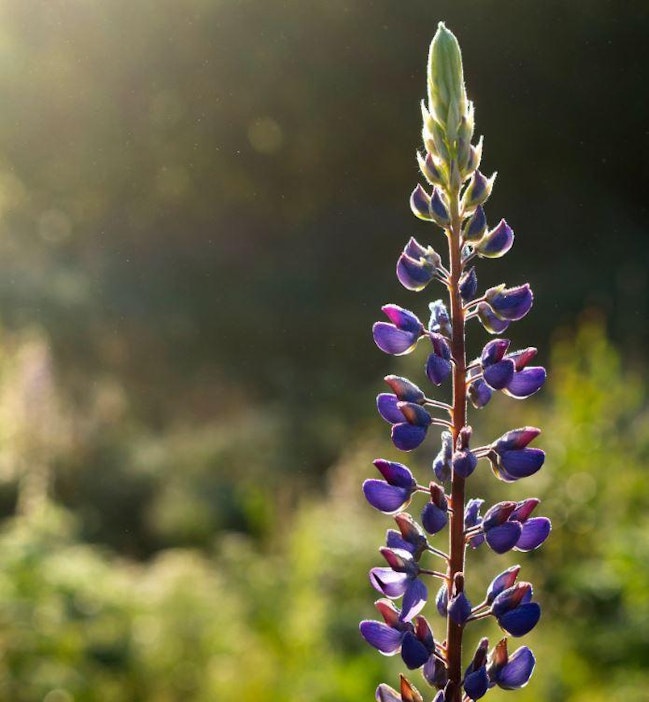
point(447, 101)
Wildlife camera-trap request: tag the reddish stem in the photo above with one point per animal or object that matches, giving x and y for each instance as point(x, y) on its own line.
point(458, 351)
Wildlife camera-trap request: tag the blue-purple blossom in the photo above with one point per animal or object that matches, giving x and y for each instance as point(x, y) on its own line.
point(510, 304)
point(408, 693)
point(490, 320)
point(469, 284)
point(510, 672)
point(434, 515)
point(410, 536)
point(475, 226)
point(385, 636)
point(440, 321)
point(515, 612)
point(442, 462)
point(502, 582)
point(401, 334)
point(438, 365)
point(497, 242)
point(507, 525)
point(393, 493)
point(401, 579)
point(418, 648)
point(477, 191)
point(417, 265)
point(409, 420)
point(476, 680)
point(512, 459)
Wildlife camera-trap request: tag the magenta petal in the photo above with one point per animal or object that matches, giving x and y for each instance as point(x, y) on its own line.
point(518, 669)
point(504, 537)
point(516, 438)
point(396, 473)
point(526, 382)
point(407, 437)
point(402, 318)
point(392, 340)
point(523, 357)
point(524, 509)
point(386, 403)
point(390, 583)
point(522, 463)
point(501, 582)
point(381, 636)
point(494, 351)
point(414, 599)
point(535, 532)
point(386, 498)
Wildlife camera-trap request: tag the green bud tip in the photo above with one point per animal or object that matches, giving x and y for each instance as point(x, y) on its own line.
point(447, 99)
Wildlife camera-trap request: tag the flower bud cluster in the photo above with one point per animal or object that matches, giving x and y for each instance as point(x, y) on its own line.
point(453, 199)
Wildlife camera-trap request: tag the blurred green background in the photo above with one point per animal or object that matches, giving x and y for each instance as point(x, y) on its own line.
point(201, 205)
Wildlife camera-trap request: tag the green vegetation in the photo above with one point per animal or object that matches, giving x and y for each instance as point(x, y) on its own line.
point(272, 614)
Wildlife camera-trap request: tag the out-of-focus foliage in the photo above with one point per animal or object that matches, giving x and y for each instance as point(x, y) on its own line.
point(277, 620)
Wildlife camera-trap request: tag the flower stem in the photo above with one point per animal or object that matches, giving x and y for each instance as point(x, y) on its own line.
point(458, 352)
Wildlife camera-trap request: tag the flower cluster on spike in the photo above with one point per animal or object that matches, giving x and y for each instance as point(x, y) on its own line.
point(453, 199)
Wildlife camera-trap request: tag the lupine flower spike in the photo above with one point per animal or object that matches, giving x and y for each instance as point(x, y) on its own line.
point(452, 197)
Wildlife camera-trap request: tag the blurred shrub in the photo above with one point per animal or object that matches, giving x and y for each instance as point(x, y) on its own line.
point(276, 619)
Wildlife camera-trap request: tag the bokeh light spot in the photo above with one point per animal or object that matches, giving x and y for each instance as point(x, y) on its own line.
point(265, 135)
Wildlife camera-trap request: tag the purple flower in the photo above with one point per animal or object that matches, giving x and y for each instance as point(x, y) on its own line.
point(490, 320)
point(510, 672)
point(510, 304)
point(497, 242)
point(515, 612)
point(439, 321)
point(434, 515)
point(418, 647)
point(401, 334)
point(430, 208)
point(507, 526)
point(476, 680)
point(417, 265)
point(472, 518)
point(410, 536)
point(475, 226)
point(508, 372)
point(392, 494)
point(479, 393)
point(442, 462)
point(469, 284)
point(386, 636)
point(403, 410)
point(501, 582)
point(510, 457)
point(400, 579)
point(438, 366)
point(477, 191)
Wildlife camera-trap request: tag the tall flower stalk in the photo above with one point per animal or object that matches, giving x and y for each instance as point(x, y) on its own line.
point(453, 200)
